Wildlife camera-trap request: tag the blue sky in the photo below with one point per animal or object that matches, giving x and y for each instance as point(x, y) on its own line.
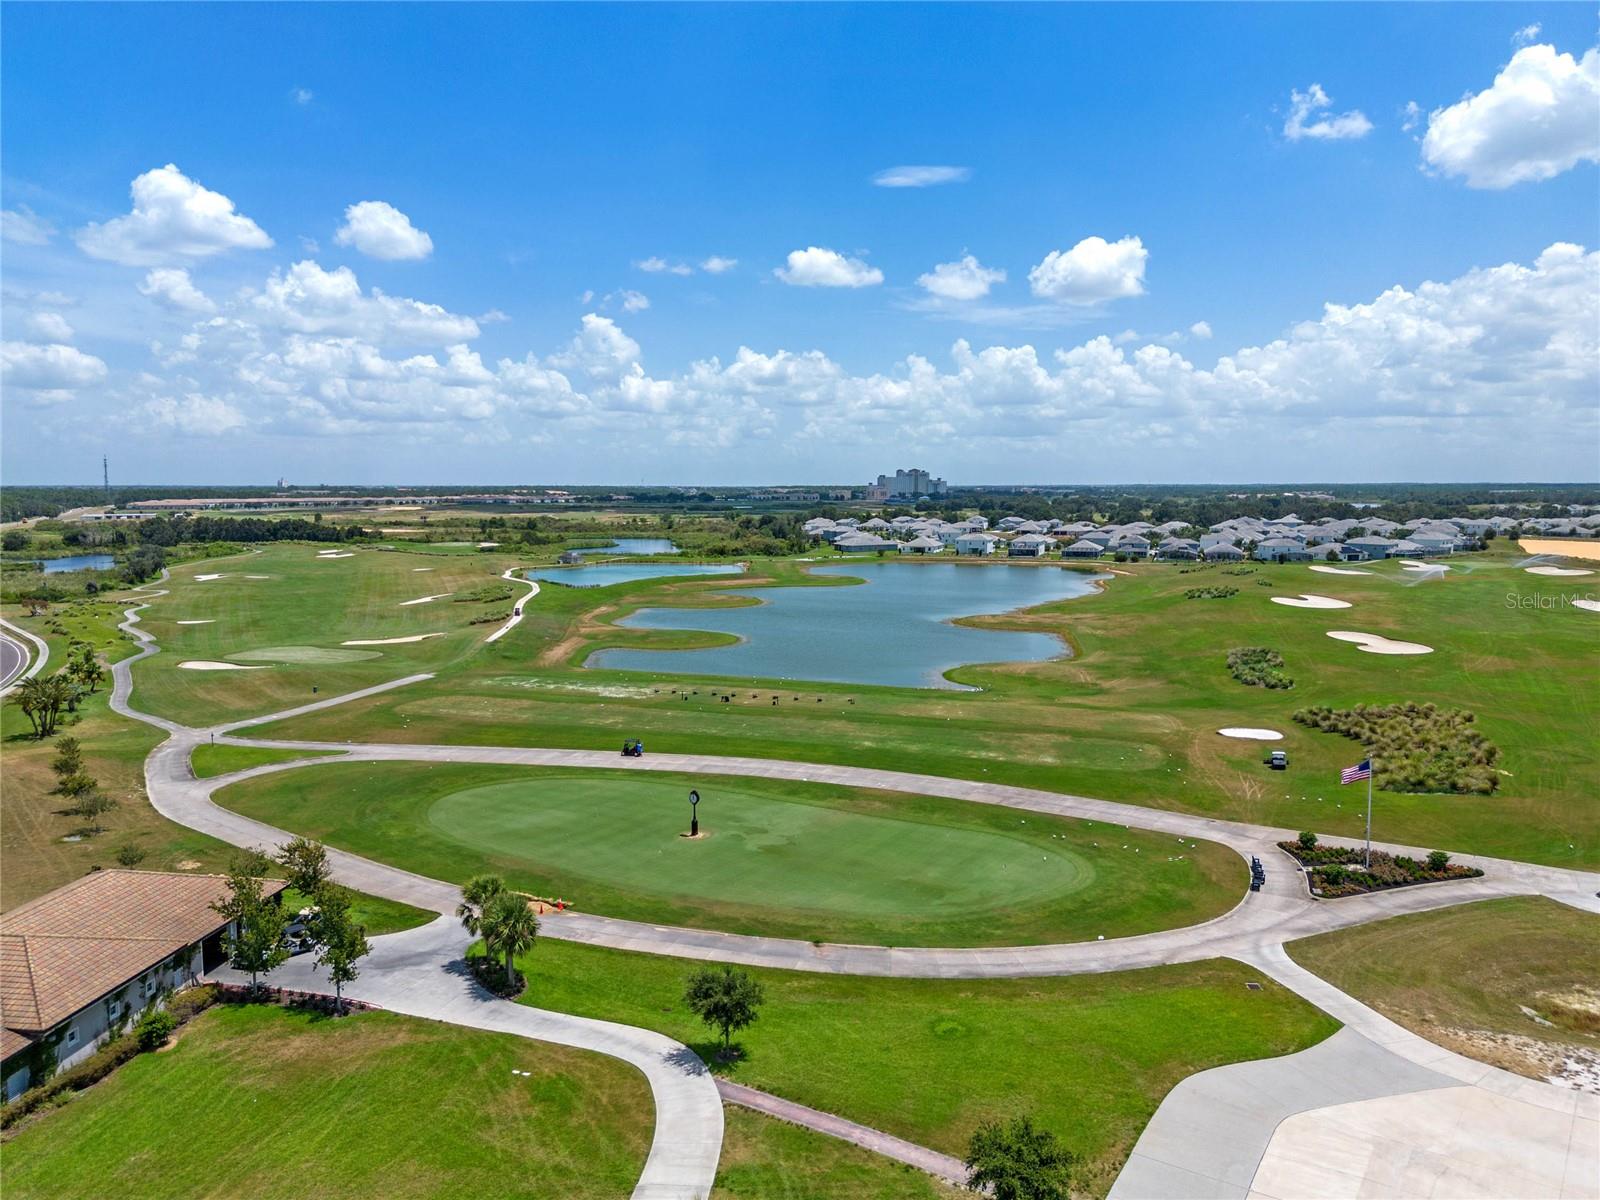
point(547, 152)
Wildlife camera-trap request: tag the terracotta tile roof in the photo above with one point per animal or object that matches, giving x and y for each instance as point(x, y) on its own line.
point(11, 1041)
point(71, 946)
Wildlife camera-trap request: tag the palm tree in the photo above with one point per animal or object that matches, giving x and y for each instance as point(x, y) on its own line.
point(508, 927)
point(475, 896)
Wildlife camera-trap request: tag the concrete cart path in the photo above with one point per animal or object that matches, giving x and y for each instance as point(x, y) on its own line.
point(18, 661)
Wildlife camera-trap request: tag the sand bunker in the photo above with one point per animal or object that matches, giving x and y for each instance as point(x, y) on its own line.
point(336, 554)
point(395, 641)
point(1412, 564)
point(1307, 600)
point(208, 578)
point(1253, 735)
point(258, 576)
point(200, 664)
point(422, 600)
point(1587, 605)
point(1339, 571)
point(314, 655)
point(1372, 643)
point(422, 568)
point(207, 621)
point(1565, 547)
point(1561, 571)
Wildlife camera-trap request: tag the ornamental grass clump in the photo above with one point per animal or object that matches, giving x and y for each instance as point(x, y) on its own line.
point(1258, 666)
point(1415, 747)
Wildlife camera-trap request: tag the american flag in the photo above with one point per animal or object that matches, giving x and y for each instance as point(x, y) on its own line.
point(1362, 770)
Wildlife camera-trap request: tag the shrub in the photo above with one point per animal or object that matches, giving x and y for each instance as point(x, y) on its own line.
point(1438, 860)
point(154, 1028)
point(1308, 840)
point(1210, 593)
point(1258, 666)
point(130, 855)
point(1415, 747)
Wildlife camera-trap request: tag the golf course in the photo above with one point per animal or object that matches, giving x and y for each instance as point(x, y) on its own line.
point(809, 861)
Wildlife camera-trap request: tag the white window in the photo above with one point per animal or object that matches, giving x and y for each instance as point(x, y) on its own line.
point(72, 1037)
point(114, 1009)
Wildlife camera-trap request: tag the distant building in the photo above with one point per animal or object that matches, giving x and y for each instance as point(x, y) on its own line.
point(908, 485)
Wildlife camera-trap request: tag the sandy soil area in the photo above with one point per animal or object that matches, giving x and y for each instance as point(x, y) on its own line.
point(1565, 547)
point(201, 664)
point(337, 554)
point(1588, 605)
point(1339, 571)
point(1373, 643)
point(207, 621)
point(425, 599)
point(1412, 564)
point(1307, 600)
point(1253, 735)
point(1562, 572)
point(208, 578)
point(422, 568)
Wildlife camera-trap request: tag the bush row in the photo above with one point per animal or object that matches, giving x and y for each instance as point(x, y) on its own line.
point(1333, 871)
point(1415, 747)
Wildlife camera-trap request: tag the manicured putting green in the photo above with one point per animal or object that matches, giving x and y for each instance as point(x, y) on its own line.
point(779, 857)
point(756, 848)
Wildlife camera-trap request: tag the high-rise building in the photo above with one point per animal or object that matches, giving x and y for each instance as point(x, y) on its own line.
point(911, 484)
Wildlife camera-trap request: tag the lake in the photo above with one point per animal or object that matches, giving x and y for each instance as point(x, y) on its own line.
point(606, 574)
point(893, 630)
point(78, 562)
point(634, 546)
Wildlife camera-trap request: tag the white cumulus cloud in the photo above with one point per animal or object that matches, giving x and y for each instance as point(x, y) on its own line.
point(54, 371)
point(172, 287)
point(196, 415)
point(173, 218)
point(1092, 272)
point(309, 299)
point(1201, 330)
point(380, 230)
point(25, 227)
point(1540, 117)
point(50, 327)
point(718, 265)
point(819, 267)
point(920, 177)
point(964, 279)
point(657, 265)
point(1309, 118)
point(633, 302)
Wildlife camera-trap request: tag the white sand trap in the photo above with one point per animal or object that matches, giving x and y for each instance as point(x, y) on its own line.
point(1412, 564)
point(1339, 571)
point(425, 599)
point(201, 664)
point(1253, 735)
point(1372, 643)
point(336, 554)
point(1561, 571)
point(487, 545)
point(1587, 605)
point(1307, 600)
point(258, 576)
point(207, 621)
point(208, 578)
point(416, 637)
point(422, 568)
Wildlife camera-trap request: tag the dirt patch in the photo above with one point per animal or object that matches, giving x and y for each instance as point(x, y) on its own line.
point(1574, 1067)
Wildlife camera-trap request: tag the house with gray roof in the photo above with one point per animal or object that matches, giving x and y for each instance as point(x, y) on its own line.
point(1281, 549)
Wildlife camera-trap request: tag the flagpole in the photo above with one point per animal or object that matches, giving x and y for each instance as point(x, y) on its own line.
point(1367, 860)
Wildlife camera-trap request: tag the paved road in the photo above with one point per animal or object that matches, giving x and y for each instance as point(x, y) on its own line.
point(17, 660)
point(1253, 932)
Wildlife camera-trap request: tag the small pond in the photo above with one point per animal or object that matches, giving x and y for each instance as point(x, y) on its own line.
point(77, 562)
point(606, 574)
point(894, 630)
point(634, 546)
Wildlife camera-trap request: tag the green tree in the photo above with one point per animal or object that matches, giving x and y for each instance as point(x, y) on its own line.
point(256, 940)
point(341, 943)
point(306, 862)
point(14, 539)
point(1016, 1160)
point(508, 927)
point(475, 896)
point(725, 998)
point(91, 806)
point(85, 668)
point(69, 758)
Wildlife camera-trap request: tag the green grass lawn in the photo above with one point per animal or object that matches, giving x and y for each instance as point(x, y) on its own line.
point(264, 1102)
point(376, 914)
point(782, 858)
point(209, 761)
point(1090, 1055)
point(1484, 979)
point(767, 1159)
point(1131, 715)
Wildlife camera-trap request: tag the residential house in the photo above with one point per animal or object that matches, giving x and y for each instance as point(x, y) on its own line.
point(1029, 545)
point(922, 545)
point(976, 543)
point(1083, 548)
point(1222, 552)
point(1282, 549)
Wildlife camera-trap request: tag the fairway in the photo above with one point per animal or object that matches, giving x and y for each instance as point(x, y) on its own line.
point(776, 857)
point(757, 848)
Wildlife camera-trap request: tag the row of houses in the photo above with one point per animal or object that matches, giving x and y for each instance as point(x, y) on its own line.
point(1282, 539)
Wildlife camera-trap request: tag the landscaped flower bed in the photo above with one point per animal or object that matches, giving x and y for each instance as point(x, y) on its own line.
point(1333, 871)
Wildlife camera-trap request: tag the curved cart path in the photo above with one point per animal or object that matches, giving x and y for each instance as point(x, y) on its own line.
point(1169, 1158)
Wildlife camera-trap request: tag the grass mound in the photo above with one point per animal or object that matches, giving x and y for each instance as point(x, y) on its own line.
point(1258, 666)
point(1415, 747)
point(313, 655)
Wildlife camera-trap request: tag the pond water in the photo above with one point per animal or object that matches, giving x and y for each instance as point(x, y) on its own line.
point(606, 574)
point(78, 562)
point(635, 546)
point(893, 630)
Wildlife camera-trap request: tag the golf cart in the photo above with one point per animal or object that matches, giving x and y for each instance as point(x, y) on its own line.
point(1278, 760)
point(633, 748)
